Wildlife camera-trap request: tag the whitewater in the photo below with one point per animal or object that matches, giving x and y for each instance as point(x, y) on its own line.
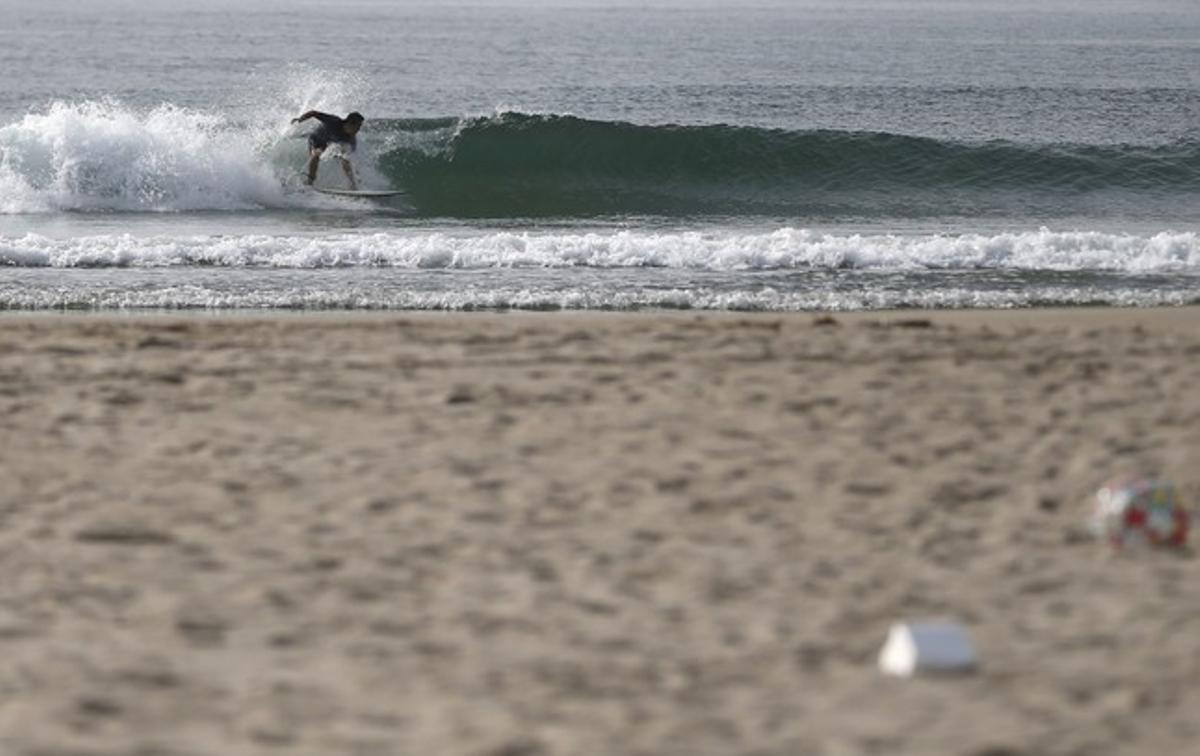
point(784, 249)
point(765, 157)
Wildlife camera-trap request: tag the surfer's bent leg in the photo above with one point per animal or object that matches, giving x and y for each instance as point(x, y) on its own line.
point(315, 148)
point(349, 172)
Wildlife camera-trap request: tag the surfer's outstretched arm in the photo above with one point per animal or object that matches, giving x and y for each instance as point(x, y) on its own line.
point(325, 118)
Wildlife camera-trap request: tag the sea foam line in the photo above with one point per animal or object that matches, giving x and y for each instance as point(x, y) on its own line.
point(203, 297)
point(786, 248)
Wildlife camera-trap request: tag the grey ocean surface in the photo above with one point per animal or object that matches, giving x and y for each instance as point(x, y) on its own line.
point(602, 155)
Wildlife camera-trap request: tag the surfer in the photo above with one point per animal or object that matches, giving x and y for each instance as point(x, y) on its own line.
point(332, 129)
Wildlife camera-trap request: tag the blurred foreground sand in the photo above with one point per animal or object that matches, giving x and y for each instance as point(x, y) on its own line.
point(513, 534)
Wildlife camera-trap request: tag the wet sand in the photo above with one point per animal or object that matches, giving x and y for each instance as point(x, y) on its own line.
point(521, 534)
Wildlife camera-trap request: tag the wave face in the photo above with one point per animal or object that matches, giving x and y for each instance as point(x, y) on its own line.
point(547, 165)
point(105, 157)
point(786, 249)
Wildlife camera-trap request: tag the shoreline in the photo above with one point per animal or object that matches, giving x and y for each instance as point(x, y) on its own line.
point(1157, 317)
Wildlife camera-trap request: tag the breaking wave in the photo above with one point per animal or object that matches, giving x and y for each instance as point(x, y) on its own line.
point(101, 156)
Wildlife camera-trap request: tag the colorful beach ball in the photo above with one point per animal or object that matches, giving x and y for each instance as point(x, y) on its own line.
point(1132, 512)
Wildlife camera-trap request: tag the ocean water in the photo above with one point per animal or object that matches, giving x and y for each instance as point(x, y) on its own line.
point(602, 154)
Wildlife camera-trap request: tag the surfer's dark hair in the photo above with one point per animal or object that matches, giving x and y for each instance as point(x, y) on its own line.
point(355, 117)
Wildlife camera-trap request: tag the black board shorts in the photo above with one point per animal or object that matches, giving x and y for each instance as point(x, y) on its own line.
point(318, 140)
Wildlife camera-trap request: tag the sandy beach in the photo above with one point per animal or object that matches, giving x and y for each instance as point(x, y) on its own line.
point(537, 534)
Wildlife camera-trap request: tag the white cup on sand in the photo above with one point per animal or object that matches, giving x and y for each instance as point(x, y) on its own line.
point(927, 646)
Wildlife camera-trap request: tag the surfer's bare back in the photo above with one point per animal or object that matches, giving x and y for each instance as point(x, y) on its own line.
point(332, 129)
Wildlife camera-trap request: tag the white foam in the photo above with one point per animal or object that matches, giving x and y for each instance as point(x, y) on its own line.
point(190, 293)
point(103, 156)
point(783, 249)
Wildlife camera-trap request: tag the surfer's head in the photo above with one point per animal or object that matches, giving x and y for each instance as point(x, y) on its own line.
point(354, 122)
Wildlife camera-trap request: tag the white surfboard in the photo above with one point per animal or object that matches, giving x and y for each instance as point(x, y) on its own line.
point(363, 193)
